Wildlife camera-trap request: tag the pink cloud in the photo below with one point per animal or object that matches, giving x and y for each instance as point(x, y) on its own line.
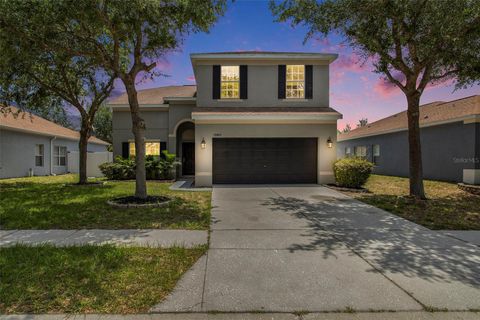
point(191, 78)
point(351, 63)
point(385, 88)
point(163, 65)
point(341, 99)
point(337, 77)
point(364, 79)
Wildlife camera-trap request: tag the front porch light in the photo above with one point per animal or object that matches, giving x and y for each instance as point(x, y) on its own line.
point(329, 142)
point(203, 144)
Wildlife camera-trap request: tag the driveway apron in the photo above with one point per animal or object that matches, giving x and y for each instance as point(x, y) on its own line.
point(309, 248)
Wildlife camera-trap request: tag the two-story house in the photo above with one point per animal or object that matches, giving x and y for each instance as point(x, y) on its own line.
point(252, 118)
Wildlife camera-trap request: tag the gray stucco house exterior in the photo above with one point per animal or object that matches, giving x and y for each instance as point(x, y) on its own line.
point(31, 145)
point(253, 117)
point(450, 138)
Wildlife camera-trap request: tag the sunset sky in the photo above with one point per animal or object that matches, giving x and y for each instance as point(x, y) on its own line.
point(355, 90)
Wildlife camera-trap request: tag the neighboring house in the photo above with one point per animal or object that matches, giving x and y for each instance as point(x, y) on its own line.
point(254, 117)
point(31, 145)
point(450, 138)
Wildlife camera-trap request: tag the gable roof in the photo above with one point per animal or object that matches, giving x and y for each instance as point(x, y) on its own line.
point(430, 114)
point(27, 122)
point(157, 95)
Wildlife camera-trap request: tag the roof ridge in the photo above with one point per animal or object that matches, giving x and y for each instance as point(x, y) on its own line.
point(431, 112)
point(37, 118)
point(464, 98)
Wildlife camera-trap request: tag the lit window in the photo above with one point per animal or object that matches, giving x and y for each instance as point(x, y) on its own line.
point(151, 148)
point(230, 82)
point(376, 153)
point(39, 152)
point(361, 152)
point(60, 156)
point(295, 82)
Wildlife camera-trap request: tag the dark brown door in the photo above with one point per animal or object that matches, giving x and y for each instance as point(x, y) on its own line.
point(188, 158)
point(264, 160)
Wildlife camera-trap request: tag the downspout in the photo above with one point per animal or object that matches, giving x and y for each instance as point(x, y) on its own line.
point(51, 155)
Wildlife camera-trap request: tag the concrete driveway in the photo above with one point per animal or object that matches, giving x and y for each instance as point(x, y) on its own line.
point(309, 248)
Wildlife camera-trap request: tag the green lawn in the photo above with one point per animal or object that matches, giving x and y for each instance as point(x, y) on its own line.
point(89, 279)
point(47, 203)
point(447, 207)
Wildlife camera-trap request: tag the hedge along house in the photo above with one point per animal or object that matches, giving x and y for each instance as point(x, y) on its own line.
point(31, 145)
point(254, 117)
point(450, 138)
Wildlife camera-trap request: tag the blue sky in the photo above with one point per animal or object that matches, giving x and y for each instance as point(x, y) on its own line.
point(355, 90)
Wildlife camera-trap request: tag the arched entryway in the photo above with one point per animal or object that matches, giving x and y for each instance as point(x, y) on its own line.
point(186, 148)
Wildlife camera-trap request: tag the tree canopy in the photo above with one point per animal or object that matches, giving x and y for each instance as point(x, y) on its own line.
point(410, 43)
point(38, 65)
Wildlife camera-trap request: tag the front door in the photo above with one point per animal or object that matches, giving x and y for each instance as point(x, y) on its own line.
point(188, 158)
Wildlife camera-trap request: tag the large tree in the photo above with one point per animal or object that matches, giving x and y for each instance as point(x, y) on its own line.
point(102, 124)
point(412, 43)
point(129, 37)
point(37, 64)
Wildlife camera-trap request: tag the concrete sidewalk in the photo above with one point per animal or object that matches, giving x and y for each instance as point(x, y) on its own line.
point(258, 316)
point(130, 237)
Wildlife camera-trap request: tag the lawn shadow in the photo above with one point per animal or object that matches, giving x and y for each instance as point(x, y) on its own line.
point(59, 206)
point(456, 212)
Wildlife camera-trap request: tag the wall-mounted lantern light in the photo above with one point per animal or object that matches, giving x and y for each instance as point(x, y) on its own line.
point(329, 142)
point(203, 144)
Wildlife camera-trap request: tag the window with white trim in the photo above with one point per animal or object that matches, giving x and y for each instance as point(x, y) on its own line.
point(152, 148)
point(348, 152)
point(60, 156)
point(39, 154)
point(295, 78)
point(230, 82)
point(361, 152)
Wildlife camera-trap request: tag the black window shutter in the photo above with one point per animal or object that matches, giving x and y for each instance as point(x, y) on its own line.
point(125, 148)
point(282, 78)
point(216, 82)
point(244, 82)
point(309, 82)
point(163, 146)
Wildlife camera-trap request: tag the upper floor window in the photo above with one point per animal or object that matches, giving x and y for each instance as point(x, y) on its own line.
point(230, 82)
point(39, 152)
point(295, 86)
point(60, 156)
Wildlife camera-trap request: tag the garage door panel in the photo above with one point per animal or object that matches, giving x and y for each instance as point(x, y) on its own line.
point(264, 160)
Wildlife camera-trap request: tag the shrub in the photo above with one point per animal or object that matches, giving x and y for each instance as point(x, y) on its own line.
point(156, 168)
point(352, 172)
point(120, 169)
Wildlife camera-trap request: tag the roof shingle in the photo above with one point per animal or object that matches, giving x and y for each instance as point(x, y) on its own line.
point(157, 95)
point(431, 113)
point(28, 122)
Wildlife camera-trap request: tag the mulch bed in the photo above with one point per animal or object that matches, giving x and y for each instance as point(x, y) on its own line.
point(473, 189)
point(134, 202)
point(88, 184)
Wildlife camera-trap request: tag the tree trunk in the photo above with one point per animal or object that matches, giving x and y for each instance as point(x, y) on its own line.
point(138, 130)
point(82, 148)
point(415, 149)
